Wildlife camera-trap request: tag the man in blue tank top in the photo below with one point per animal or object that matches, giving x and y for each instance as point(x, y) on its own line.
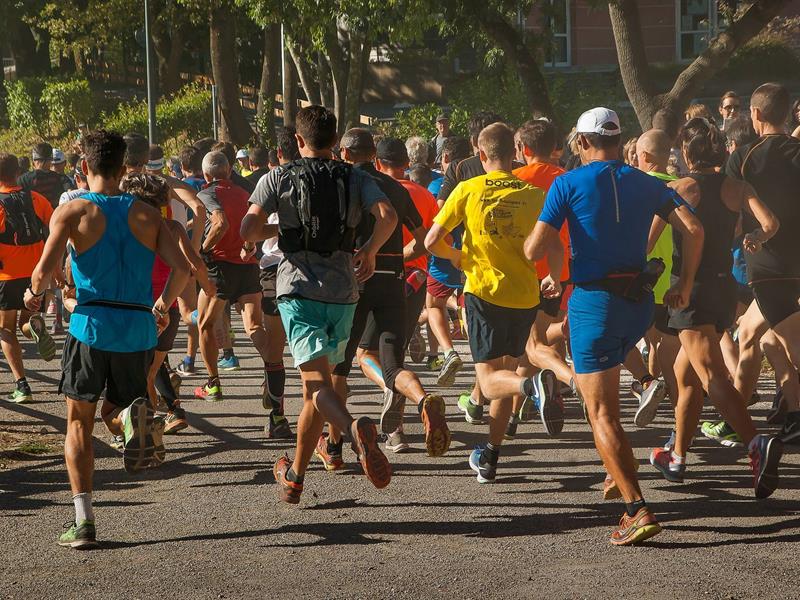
point(112, 240)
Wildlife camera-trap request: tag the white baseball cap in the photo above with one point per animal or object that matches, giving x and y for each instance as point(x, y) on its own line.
point(58, 156)
point(602, 121)
point(242, 153)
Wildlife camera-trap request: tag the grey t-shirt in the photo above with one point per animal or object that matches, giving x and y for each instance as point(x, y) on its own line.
point(308, 274)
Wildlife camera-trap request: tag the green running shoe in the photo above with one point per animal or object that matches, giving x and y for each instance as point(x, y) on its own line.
point(473, 414)
point(434, 363)
point(142, 434)
point(45, 344)
point(80, 537)
point(22, 394)
point(723, 433)
point(210, 392)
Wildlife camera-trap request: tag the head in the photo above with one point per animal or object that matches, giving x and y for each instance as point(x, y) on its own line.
point(42, 156)
point(24, 164)
point(535, 141)
point(155, 160)
point(259, 157)
point(730, 105)
point(274, 159)
point(243, 158)
point(357, 146)
point(496, 147)
point(191, 162)
point(59, 161)
point(455, 149)
point(770, 105)
point(316, 130)
point(81, 182)
point(72, 160)
point(702, 144)
point(629, 152)
point(443, 124)
point(227, 149)
point(669, 121)
point(392, 157)
point(9, 169)
point(653, 151)
point(739, 132)
point(480, 121)
point(598, 135)
point(204, 145)
point(150, 189)
point(697, 110)
point(418, 151)
point(137, 153)
point(104, 156)
point(421, 175)
point(216, 166)
point(287, 149)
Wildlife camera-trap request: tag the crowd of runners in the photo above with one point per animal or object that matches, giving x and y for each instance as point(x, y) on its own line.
point(674, 255)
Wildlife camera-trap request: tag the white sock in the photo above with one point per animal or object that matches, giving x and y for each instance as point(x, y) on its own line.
point(676, 461)
point(446, 351)
point(473, 401)
point(83, 507)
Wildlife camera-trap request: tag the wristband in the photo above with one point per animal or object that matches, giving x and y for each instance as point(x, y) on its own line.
point(160, 314)
point(39, 295)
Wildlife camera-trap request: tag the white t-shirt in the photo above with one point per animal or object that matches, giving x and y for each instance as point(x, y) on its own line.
point(71, 195)
point(272, 254)
point(179, 212)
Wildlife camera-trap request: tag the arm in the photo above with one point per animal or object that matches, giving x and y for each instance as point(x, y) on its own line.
point(219, 227)
point(437, 245)
point(688, 225)
point(656, 229)
point(416, 247)
point(186, 195)
point(255, 227)
point(60, 227)
point(198, 267)
point(765, 217)
point(169, 251)
point(385, 222)
point(545, 241)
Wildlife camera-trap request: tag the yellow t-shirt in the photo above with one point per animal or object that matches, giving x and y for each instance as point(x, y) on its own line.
point(498, 211)
point(663, 250)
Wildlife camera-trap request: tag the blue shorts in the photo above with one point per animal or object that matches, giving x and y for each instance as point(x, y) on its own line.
point(604, 327)
point(316, 329)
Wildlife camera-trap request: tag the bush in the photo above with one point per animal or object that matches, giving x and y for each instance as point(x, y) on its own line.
point(764, 58)
point(67, 104)
point(421, 120)
point(24, 110)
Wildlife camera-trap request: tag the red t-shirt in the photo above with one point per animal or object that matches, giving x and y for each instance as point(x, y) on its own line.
point(233, 201)
point(427, 209)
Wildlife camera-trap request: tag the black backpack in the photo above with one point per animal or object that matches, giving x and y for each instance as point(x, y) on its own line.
point(23, 226)
point(324, 202)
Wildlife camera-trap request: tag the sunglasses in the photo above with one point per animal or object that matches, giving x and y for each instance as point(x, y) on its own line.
point(731, 107)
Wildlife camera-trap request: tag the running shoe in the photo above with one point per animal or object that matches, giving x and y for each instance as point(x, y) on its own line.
point(332, 461)
point(437, 434)
point(175, 421)
point(210, 392)
point(526, 410)
point(289, 490)
point(186, 368)
point(139, 448)
point(548, 402)
point(175, 381)
point(45, 344)
point(392, 413)
point(777, 413)
point(473, 413)
point(397, 442)
point(670, 442)
point(22, 393)
point(117, 442)
point(450, 367)
point(79, 537)
point(278, 428)
point(635, 529)
point(722, 433)
point(511, 429)
point(231, 363)
point(416, 346)
point(765, 454)
point(651, 396)
point(790, 432)
point(159, 452)
point(376, 467)
point(434, 363)
point(662, 460)
point(486, 473)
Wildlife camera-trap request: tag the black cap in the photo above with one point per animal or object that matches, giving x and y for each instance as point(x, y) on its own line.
point(392, 150)
point(443, 117)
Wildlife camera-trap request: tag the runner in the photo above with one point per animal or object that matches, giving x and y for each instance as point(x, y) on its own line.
point(609, 207)
point(259, 161)
point(501, 294)
point(317, 283)
point(43, 179)
point(717, 201)
point(24, 218)
point(113, 240)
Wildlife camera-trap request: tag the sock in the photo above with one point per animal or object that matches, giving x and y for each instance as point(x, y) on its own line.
point(490, 454)
point(275, 377)
point(22, 381)
point(335, 448)
point(677, 461)
point(83, 507)
point(293, 477)
point(447, 352)
point(646, 379)
point(227, 352)
point(421, 404)
point(473, 401)
point(188, 360)
point(633, 507)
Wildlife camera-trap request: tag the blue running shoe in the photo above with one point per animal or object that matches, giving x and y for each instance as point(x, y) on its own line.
point(765, 455)
point(486, 472)
point(548, 401)
point(228, 364)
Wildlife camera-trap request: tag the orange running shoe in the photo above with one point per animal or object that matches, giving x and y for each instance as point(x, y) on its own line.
point(331, 461)
point(365, 444)
point(437, 435)
point(638, 528)
point(289, 490)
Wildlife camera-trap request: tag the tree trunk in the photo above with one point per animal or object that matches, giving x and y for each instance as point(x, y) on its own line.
point(234, 125)
point(304, 69)
point(168, 47)
point(28, 57)
point(325, 84)
point(289, 90)
point(270, 76)
point(337, 63)
point(358, 55)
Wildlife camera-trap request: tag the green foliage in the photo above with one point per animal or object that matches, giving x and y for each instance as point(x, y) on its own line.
point(67, 104)
point(421, 120)
point(24, 111)
point(765, 58)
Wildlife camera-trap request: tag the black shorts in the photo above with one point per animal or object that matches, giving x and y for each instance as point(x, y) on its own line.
point(87, 371)
point(12, 293)
point(234, 280)
point(744, 294)
point(712, 302)
point(552, 306)
point(167, 338)
point(370, 340)
point(661, 320)
point(497, 331)
point(777, 298)
point(269, 302)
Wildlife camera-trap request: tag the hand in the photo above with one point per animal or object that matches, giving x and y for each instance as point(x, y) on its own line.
point(551, 288)
point(752, 242)
point(210, 289)
point(162, 320)
point(364, 263)
point(59, 279)
point(677, 296)
point(32, 303)
point(246, 254)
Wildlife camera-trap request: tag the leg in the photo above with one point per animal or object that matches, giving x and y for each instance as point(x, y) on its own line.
point(543, 355)
point(10, 344)
point(501, 406)
point(209, 312)
point(187, 304)
point(752, 326)
point(785, 373)
point(730, 353)
point(689, 403)
point(438, 323)
point(78, 447)
point(667, 353)
point(788, 332)
point(152, 372)
point(253, 320)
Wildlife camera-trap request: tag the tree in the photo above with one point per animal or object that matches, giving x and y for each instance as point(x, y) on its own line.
point(268, 88)
point(745, 23)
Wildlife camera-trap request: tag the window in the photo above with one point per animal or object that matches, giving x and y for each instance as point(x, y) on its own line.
point(697, 23)
point(558, 25)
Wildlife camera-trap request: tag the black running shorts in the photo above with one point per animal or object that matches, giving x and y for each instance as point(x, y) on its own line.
point(712, 302)
point(12, 293)
point(497, 331)
point(167, 338)
point(234, 280)
point(777, 298)
point(269, 302)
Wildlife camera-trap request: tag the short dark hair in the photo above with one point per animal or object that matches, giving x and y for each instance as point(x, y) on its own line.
point(259, 156)
point(73, 158)
point(480, 121)
point(228, 149)
point(150, 189)
point(156, 152)
point(317, 126)
point(273, 157)
point(740, 131)
point(728, 94)
point(773, 101)
point(669, 121)
point(204, 145)
point(105, 152)
point(539, 136)
point(191, 159)
point(137, 150)
point(24, 164)
point(456, 148)
point(602, 142)
point(421, 175)
point(9, 168)
point(703, 143)
point(287, 143)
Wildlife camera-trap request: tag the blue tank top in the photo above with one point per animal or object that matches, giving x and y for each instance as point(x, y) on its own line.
point(117, 269)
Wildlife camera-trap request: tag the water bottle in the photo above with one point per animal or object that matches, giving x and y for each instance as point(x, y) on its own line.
point(414, 281)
